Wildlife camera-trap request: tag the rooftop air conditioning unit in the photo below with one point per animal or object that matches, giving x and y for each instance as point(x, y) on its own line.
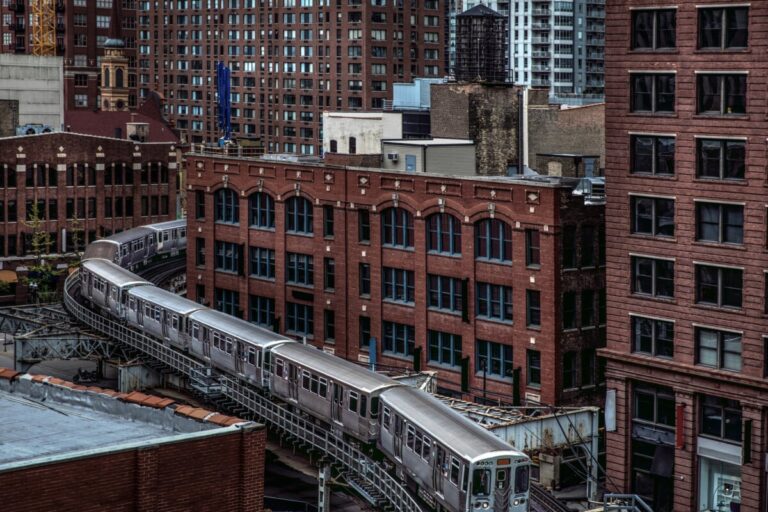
point(393, 156)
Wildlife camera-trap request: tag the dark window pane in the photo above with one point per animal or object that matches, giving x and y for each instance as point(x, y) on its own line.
point(665, 93)
point(735, 94)
point(709, 93)
point(710, 28)
point(737, 22)
point(665, 150)
point(709, 158)
point(642, 93)
point(642, 29)
point(642, 154)
point(666, 26)
point(735, 155)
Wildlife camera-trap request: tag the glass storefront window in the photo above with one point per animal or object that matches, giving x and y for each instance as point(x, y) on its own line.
point(719, 486)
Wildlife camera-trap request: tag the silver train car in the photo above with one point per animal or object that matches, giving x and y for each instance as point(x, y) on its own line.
point(233, 344)
point(342, 394)
point(106, 285)
point(455, 462)
point(161, 314)
point(138, 246)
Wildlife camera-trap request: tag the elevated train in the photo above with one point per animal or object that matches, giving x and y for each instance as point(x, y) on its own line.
point(453, 463)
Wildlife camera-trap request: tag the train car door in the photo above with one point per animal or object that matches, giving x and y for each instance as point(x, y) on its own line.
point(140, 312)
point(439, 469)
point(206, 343)
point(337, 403)
point(397, 440)
point(239, 357)
point(293, 381)
point(165, 321)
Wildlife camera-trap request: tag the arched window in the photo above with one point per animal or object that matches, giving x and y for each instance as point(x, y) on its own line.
point(334, 146)
point(397, 227)
point(105, 79)
point(227, 206)
point(493, 240)
point(261, 210)
point(352, 145)
point(119, 78)
point(444, 233)
point(298, 215)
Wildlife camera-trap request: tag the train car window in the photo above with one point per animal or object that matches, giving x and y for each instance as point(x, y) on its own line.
point(305, 380)
point(165, 236)
point(455, 471)
point(279, 367)
point(114, 293)
point(522, 477)
point(229, 345)
point(251, 356)
point(363, 405)
point(323, 392)
point(196, 331)
point(502, 478)
point(374, 407)
point(427, 450)
point(132, 304)
point(398, 425)
point(465, 479)
point(175, 322)
point(147, 311)
point(353, 396)
point(314, 385)
point(182, 233)
point(481, 482)
point(157, 313)
point(217, 340)
point(385, 418)
point(410, 436)
point(418, 444)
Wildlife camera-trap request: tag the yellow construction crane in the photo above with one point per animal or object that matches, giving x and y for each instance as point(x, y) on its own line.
point(43, 26)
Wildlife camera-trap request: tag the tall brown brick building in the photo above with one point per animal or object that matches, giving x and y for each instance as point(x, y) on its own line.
point(82, 27)
point(441, 271)
point(686, 168)
point(290, 60)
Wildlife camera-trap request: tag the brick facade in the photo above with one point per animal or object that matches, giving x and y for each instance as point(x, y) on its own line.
point(142, 190)
point(546, 208)
point(288, 64)
point(678, 461)
point(228, 474)
point(81, 28)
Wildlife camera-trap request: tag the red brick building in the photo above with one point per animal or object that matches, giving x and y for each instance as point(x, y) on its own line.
point(96, 449)
point(84, 187)
point(82, 26)
point(685, 165)
point(442, 271)
point(290, 61)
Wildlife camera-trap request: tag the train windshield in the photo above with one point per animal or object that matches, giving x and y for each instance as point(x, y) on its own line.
point(481, 482)
point(521, 479)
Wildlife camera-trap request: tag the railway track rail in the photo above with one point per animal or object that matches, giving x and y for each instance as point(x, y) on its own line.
point(543, 501)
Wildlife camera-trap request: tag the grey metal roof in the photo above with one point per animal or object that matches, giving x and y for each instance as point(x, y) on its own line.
point(33, 429)
point(113, 273)
point(481, 10)
point(442, 423)
point(171, 224)
point(340, 370)
point(166, 299)
point(236, 327)
point(130, 235)
point(101, 249)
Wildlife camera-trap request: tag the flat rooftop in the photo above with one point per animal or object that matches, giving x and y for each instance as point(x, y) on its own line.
point(43, 419)
point(430, 142)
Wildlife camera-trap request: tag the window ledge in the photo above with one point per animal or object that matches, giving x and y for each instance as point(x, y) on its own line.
point(721, 309)
point(717, 115)
point(718, 51)
point(260, 228)
point(537, 387)
point(445, 366)
point(652, 51)
point(666, 300)
point(399, 303)
point(444, 311)
point(645, 236)
point(496, 321)
point(533, 267)
point(301, 285)
point(533, 328)
point(494, 377)
point(455, 256)
point(300, 233)
point(653, 114)
point(722, 245)
point(721, 181)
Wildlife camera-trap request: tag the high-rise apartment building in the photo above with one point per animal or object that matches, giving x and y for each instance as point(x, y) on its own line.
point(687, 355)
point(82, 27)
point(290, 60)
point(555, 44)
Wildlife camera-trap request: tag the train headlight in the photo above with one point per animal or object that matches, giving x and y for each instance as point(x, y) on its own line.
point(516, 502)
point(485, 505)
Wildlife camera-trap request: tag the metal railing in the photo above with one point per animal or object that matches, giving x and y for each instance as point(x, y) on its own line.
point(335, 449)
point(625, 503)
